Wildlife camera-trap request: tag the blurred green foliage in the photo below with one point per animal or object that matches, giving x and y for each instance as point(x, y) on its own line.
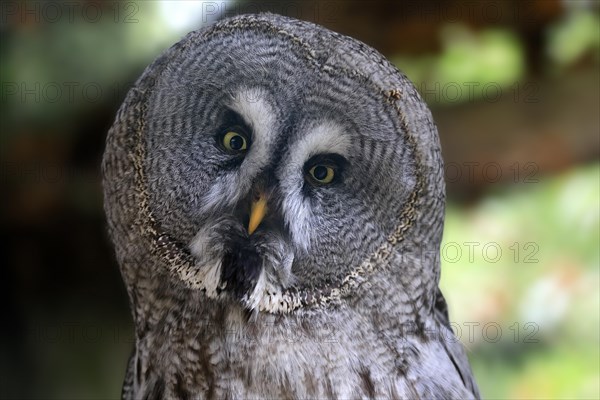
point(63, 69)
point(476, 60)
point(472, 60)
point(541, 289)
point(574, 35)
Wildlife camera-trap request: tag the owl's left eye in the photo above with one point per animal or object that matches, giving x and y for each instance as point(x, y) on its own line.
point(234, 141)
point(322, 173)
point(324, 169)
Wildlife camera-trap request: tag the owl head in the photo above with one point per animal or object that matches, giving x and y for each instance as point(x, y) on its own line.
point(273, 163)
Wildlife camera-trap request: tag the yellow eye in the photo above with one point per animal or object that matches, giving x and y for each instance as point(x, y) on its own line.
point(322, 173)
point(234, 142)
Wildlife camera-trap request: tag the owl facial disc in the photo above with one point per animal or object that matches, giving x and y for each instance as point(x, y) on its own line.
point(344, 149)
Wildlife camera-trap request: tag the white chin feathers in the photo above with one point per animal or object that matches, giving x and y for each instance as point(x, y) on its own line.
point(275, 255)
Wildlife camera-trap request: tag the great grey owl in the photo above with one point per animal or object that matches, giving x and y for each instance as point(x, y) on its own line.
point(275, 194)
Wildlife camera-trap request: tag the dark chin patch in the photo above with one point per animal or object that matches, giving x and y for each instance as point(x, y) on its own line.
point(240, 270)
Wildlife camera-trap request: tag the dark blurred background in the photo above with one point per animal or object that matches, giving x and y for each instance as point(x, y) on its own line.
point(513, 86)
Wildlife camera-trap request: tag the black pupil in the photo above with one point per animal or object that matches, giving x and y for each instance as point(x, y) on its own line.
point(236, 142)
point(320, 172)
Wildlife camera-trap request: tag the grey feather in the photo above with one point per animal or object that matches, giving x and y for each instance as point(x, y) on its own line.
point(335, 295)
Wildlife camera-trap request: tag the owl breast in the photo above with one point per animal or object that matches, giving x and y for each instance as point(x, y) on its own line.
point(341, 355)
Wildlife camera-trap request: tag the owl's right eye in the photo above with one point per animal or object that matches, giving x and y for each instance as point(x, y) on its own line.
point(234, 141)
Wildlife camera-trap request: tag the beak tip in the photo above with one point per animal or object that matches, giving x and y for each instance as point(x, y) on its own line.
point(251, 229)
point(257, 213)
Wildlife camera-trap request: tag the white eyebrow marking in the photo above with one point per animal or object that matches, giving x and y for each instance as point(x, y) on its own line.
point(252, 105)
point(322, 137)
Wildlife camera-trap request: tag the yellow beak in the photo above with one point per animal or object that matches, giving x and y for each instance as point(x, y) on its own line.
point(257, 212)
